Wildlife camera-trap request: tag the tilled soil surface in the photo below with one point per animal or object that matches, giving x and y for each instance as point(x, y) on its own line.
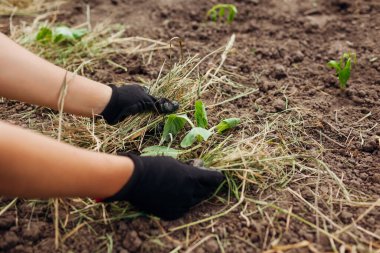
point(282, 47)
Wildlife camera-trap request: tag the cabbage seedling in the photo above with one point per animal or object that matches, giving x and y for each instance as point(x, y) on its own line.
point(343, 68)
point(219, 11)
point(176, 122)
point(60, 34)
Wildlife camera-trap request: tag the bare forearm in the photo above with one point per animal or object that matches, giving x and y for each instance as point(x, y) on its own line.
point(26, 77)
point(32, 165)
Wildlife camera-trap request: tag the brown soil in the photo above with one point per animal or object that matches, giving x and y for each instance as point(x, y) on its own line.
point(282, 47)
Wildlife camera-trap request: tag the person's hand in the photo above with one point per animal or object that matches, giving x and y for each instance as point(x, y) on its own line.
point(132, 99)
point(165, 187)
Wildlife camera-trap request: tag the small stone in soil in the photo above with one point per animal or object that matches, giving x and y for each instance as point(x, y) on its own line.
point(333, 81)
point(132, 241)
point(212, 246)
point(279, 72)
point(33, 232)
point(297, 57)
point(346, 216)
point(279, 104)
point(371, 145)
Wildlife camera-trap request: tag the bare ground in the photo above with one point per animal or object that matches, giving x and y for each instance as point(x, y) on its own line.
point(282, 48)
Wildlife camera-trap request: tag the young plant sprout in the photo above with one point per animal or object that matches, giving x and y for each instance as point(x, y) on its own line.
point(218, 11)
point(176, 122)
point(60, 34)
point(343, 68)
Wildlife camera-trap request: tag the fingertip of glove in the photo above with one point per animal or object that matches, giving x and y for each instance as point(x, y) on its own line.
point(167, 106)
point(218, 177)
point(212, 178)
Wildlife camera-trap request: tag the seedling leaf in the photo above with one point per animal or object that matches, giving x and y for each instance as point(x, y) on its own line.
point(221, 13)
point(44, 34)
point(173, 124)
point(79, 33)
point(232, 13)
point(227, 124)
point(214, 16)
point(60, 34)
point(345, 74)
point(335, 65)
point(343, 68)
point(219, 10)
point(200, 114)
point(196, 133)
point(63, 33)
point(160, 151)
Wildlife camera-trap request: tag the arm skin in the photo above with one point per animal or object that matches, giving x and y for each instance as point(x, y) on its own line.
point(35, 166)
point(29, 78)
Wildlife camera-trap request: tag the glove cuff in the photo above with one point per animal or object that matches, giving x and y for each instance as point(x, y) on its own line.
point(126, 192)
point(111, 111)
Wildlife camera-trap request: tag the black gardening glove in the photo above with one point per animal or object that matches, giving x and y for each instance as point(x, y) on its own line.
point(165, 187)
point(132, 99)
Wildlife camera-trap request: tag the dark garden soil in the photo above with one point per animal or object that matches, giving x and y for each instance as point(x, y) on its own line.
point(282, 47)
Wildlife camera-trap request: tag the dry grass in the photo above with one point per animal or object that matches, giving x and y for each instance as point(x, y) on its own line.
point(28, 7)
point(269, 158)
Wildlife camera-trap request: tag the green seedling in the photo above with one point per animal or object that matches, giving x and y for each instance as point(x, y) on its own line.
point(60, 34)
point(176, 122)
point(220, 11)
point(227, 124)
point(343, 68)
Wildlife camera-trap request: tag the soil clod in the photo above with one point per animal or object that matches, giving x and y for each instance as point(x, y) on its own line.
point(279, 72)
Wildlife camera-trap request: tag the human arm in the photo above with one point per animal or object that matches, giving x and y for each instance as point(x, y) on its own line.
point(26, 77)
point(36, 166)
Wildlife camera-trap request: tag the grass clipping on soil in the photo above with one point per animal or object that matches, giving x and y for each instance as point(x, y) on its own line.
point(269, 155)
point(27, 7)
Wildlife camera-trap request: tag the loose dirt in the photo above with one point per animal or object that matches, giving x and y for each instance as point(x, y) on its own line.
point(282, 47)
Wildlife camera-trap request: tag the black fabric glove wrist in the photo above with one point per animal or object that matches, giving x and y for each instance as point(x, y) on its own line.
point(165, 187)
point(132, 99)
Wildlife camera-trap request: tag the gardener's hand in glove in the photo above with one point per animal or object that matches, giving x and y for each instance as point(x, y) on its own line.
point(165, 187)
point(132, 99)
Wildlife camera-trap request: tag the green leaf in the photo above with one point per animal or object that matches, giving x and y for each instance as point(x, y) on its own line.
point(346, 56)
point(160, 151)
point(60, 34)
point(214, 16)
point(232, 13)
point(221, 13)
point(44, 34)
point(220, 10)
point(196, 133)
point(173, 125)
point(227, 124)
point(335, 65)
point(233, 8)
point(63, 33)
point(200, 114)
point(345, 74)
point(79, 33)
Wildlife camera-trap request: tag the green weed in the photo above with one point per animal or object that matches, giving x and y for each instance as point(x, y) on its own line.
point(220, 11)
point(343, 68)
